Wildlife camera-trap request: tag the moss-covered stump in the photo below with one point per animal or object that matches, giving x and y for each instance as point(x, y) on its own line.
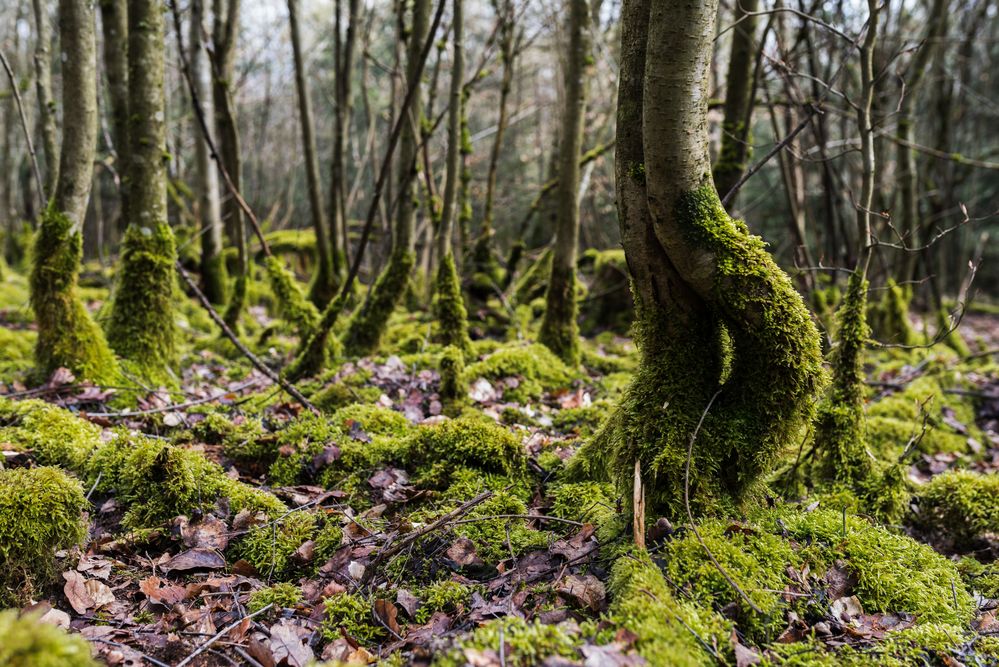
point(25, 641)
point(155, 480)
point(960, 510)
point(142, 328)
point(364, 333)
point(451, 366)
point(292, 304)
point(67, 335)
point(40, 512)
point(436, 451)
point(449, 307)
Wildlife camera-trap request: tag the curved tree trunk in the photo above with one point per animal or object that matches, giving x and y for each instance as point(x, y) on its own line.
point(114, 29)
point(67, 335)
point(142, 327)
point(559, 331)
point(716, 319)
point(46, 104)
point(324, 282)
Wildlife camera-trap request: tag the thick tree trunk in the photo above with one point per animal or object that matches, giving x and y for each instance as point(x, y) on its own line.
point(214, 277)
point(114, 28)
point(46, 105)
point(67, 335)
point(142, 327)
point(324, 282)
point(366, 327)
point(559, 331)
point(716, 319)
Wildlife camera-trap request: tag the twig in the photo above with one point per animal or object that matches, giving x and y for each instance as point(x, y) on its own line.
point(24, 126)
point(254, 359)
point(120, 645)
point(221, 633)
point(690, 515)
point(539, 517)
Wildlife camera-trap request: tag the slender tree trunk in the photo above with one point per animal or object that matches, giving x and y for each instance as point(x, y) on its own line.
point(142, 327)
point(67, 335)
point(739, 86)
point(114, 28)
point(717, 322)
point(559, 331)
point(339, 241)
point(324, 282)
point(214, 277)
point(366, 327)
point(46, 105)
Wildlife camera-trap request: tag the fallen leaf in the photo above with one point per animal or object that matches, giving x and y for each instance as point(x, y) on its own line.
point(99, 592)
point(199, 558)
point(160, 592)
point(209, 533)
point(586, 590)
point(462, 552)
point(408, 601)
point(76, 592)
point(287, 645)
point(388, 613)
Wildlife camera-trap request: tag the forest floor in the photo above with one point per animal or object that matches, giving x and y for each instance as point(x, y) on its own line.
point(415, 531)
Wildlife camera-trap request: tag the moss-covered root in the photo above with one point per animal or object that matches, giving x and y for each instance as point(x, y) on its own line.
point(364, 333)
point(40, 511)
point(452, 368)
point(449, 307)
point(840, 439)
point(313, 351)
point(142, 328)
point(559, 329)
point(67, 335)
point(664, 627)
point(292, 305)
point(28, 642)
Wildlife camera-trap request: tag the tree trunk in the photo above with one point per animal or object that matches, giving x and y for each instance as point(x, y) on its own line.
point(559, 331)
point(324, 282)
point(142, 327)
point(366, 327)
point(717, 322)
point(46, 105)
point(339, 241)
point(739, 86)
point(114, 27)
point(214, 277)
point(67, 335)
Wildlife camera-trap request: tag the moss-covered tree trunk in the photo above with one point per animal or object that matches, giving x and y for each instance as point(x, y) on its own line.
point(142, 327)
point(67, 335)
point(324, 281)
point(367, 326)
point(739, 86)
point(339, 243)
point(449, 306)
point(214, 276)
point(715, 316)
point(559, 330)
point(46, 103)
point(114, 29)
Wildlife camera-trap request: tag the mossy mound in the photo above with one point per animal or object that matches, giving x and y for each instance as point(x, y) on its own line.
point(270, 548)
point(28, 642)
point(534, 366)
point(448, 596)
point(525, 643)
point(40, 511)
point(281, 595)
point(351, 614)
point(959, 507)
point(466, 443)
point(16, 349)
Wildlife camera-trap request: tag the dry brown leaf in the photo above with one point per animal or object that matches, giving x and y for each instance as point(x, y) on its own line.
point(287, 645)
point(76, 592)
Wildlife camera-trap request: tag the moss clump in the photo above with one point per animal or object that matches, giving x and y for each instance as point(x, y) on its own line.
point(525, 643)
point(449, 307)
point(582, 421)
point(644, 604)
point(142, 327)
point(16, 350)
point(452, 367)
point(470, 443)
point(67, 335)
point(292, 304)
point(281, 595)
point(351, 614)
point(888, 438)
point(498, 539)
point(40, 511)
point(447, 596)
point(534, 366)
point(364, 333)
point(28, 642)
point(559, 328)
point(960, 506)
point(590, 502)
point(55, 436)
point(269, 547)
point(890, 317)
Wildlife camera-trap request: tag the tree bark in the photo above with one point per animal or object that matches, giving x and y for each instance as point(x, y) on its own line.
point(46, 104)
point(114, 28)
point(339, 241)
point(559, 331)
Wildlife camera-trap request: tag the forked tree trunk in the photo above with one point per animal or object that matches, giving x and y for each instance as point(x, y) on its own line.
point(559, 331)
point(716, 319)
point(46, 104)
point(67, 335)
point(142, 327)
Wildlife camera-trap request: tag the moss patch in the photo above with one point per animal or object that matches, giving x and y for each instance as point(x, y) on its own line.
point(27, 642)
point(292, 304)
point(960, 506)
point(364, 333)
point(449, 307)
point(535, 367)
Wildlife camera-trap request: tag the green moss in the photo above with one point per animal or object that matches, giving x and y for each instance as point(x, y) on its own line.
point(292, 304)
point(341, 394)
point(496, 540)
point(142, 327)
point(28, 642)
point(364, 333)
point(269, 547)
point(644, 604)
point(449, 307)
point(890, 316)
point(40, 511)
point(55, 436)
point(452, 367)
point(960, 505)
point(559, 328)
point(888, 437)
point(953, 338)
point(374, 419)
point(446, 596)
point(589, 502)
point(16, 350)
point(583, 421)
point(351, 614)
point(281, 595)
point(67, 336)
point(469, 443)
point(536, 368)
point(533, 282)
point(526, 643)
